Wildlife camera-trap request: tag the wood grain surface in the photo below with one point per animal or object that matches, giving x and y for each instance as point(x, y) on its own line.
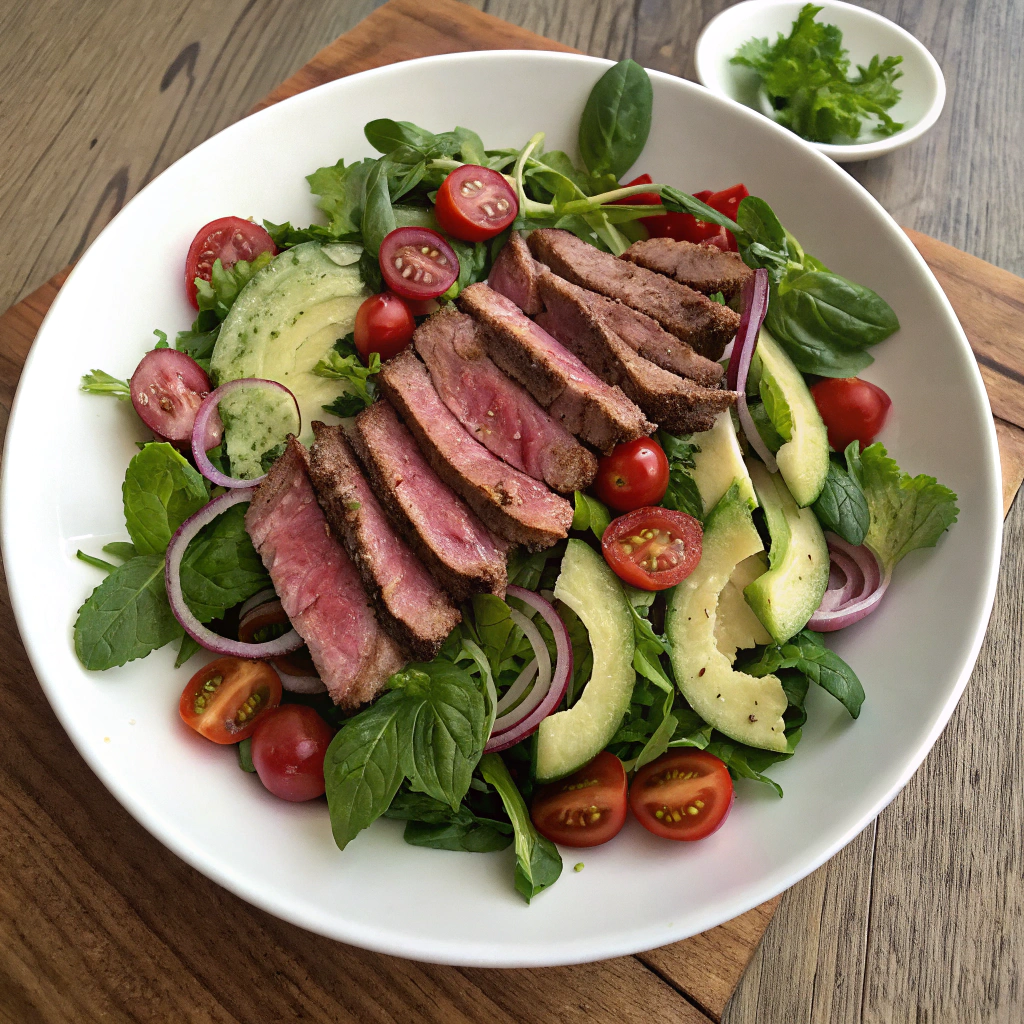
point(920, 918)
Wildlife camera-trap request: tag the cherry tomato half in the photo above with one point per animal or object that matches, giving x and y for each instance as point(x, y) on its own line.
point(229, 240)
point(267, 622)
point(686, 228)
point(853, 410)
point(167, 389)
point(225, 700)
point(288, 749)
point(634, 475)
point(685, 794)
point(417, 263)
point(641, 198)
point(586, 808)
point(384, 324)
point(653, 548)
point(475, 203)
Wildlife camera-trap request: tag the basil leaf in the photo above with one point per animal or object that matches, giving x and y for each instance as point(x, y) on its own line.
point(161, 490)
point(221, 567)
point(471, 147)
point(491, 624)
point(186, 649)
point(362, 768)
point(616, 119)
point(441, 727)
point(805, 346)
point(761, 226)
point(841, 507)
point(590, 514)
point(538, 863)
point(434, 824)
point(378, 213)
point(120, 549)
point(127, 616)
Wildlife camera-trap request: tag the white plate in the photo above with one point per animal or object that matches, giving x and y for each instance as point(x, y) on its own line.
point(865, 34)
point(66, 454)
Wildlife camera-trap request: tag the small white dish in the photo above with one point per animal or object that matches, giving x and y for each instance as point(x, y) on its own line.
point(864, 35)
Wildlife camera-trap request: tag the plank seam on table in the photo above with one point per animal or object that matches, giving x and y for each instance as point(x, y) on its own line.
point(692, 1000)
point(998, 367)
point(867, 920)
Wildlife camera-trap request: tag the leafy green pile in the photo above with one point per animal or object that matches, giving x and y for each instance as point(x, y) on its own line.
point(128, 615)
point(805, 76)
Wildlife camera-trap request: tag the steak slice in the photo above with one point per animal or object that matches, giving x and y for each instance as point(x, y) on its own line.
point(687, 314)
point(705, 268)
point(512, 504)
point(598, 413)
point(410, 604)
point(499, 413)
point(514, 274)
point(463, 555)
point(677, 404)
point(318, 584)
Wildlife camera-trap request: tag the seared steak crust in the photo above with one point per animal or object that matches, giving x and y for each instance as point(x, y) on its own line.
point(497, 411)
point(705, 268)
point(318, 584)
point(512, 504)
point(597, 412)
point(687, 314)
point(460, 552)
point(675, 403)
point(410, 604)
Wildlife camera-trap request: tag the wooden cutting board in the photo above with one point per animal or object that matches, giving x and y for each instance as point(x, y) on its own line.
point(703, 970)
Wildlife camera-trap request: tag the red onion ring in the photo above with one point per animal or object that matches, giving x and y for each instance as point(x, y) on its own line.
point(560, 677)
point(755, 309)
point(205, 428)
point(844, 605)
point(256, 600)
point(291, 641)
point(300, 684)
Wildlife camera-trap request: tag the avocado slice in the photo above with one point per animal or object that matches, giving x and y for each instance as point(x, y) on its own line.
point(803, 458)
point(736, 625)
point(719, 463)
point(567, 740)
point(284, 321)
point(788, 594)
point(747, 709)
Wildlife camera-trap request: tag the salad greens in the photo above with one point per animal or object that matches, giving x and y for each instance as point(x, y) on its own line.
point(682, 494)
point(343, 363)
point(805, 77)
point(841, 507)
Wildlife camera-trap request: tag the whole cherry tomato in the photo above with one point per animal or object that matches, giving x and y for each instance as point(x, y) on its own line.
point(384, 324)
point(853, 410)
point(288, 749)
point(633, 475)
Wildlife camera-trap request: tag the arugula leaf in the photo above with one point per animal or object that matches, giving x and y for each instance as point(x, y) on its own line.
point(616, 119)
point(805, 77)
point(682, 494)
point(441, 727)
point(433, 824)
point(657, 743)
point(806, 653)
point(378, 213)
point(161, 490)
point(906, 512)
point(362, 767)
point(127, 616)
point(221, 567)
point(342, 192)
point(590, 514)
point(97, 382)
point(538, 863)
point(841, 507)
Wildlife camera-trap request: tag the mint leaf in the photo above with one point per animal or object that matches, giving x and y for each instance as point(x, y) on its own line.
point(362, 768)
point(441, 729)
point(906, 512)
point(161, 490)
point(126, 616)
point(538, 863)
point(97, 382)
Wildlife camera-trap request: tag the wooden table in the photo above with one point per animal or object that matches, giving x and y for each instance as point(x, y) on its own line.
point(919, 919)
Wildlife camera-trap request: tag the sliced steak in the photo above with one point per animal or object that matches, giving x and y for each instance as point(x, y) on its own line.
point(512, 504)
point(598, 413)
point(318, 584)
point(463, 555)
point(499, 413)
point(705, 268)
point(687, 314)
point(515, 274)
point(677, 404)
point(410, 603)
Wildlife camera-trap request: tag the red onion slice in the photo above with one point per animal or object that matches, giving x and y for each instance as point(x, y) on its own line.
point(561, 675)
point(301, 684)
point(860, 594)
point(256, 600)
point(755, 309)
point(291, 640)
point(208, 426)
